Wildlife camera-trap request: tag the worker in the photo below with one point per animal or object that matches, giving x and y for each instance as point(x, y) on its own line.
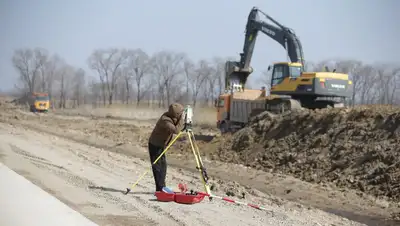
point(171, 122)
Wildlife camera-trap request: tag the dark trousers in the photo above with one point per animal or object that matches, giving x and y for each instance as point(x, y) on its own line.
point(160, 168)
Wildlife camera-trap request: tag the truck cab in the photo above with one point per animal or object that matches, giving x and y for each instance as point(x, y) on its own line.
point(222, 105)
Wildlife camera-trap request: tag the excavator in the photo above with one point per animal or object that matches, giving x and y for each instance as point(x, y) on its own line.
point(291, 86)
point(302, 89)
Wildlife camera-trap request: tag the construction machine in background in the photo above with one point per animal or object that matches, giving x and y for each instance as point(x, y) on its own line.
point(234, 109)
point(39, 102)
point(291, 86)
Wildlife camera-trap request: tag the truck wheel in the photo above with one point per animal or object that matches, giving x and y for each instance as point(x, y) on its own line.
point(224, 127)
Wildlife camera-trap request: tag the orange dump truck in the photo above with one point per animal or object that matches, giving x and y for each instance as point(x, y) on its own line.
point(235, 109)
point(39, 102)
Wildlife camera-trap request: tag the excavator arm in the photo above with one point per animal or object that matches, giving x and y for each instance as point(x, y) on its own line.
point(281, 34)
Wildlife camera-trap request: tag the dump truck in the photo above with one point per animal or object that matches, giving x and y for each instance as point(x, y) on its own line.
point(234, 109)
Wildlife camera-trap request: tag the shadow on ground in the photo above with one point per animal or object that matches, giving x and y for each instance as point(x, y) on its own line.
point(101, 188)
point(199, 137)
point(206, 138)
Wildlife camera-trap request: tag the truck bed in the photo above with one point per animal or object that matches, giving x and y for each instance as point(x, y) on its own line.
point(241, 109)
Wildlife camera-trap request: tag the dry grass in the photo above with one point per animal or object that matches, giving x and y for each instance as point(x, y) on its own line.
point(204, 117)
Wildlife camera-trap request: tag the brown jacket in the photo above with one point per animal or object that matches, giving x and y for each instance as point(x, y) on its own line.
point(169, 123)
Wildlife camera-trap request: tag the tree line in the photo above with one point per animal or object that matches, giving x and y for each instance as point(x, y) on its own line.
point(132, 76)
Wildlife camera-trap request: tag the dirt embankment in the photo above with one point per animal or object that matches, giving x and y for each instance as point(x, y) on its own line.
point(356, 148)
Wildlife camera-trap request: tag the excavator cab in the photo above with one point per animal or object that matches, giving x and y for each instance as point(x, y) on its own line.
point(281, 71)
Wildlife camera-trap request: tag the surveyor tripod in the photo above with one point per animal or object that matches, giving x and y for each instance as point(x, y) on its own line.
point(195, 149)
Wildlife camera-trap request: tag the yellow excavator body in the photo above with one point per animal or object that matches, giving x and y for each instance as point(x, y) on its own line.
point(289, 79)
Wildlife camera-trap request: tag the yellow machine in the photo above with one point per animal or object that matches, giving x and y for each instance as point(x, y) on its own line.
point(39, 102)
point(291, 86)
point(311, 89)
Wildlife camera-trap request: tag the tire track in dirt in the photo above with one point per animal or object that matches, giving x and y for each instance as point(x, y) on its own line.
point(92, 142)
point(85, 183)
point(77, 181)
point(155, 211)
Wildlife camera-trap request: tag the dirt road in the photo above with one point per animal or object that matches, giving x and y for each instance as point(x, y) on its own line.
point(91, 181)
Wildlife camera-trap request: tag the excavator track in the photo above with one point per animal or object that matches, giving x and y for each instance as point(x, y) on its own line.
point(282, 105)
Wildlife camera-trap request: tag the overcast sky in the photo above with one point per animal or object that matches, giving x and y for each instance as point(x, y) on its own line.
point(359, 29)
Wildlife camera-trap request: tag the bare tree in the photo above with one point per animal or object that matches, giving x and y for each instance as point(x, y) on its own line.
point(188, 68)
point(65, 75)
point(50, 70)
point(178, 90)
point(127, 79)
point(265, 80)
point(395, 97)
point(321, 66)
point(198, 77)
point(79, 86)
point(365, 83)
point(387, 84)
point(212, 79)
point(107, 64)
point(219, 73)
point(167, 65)
point(170, 76)
point(154, 86)
point(354, 69)
point(139, 66)
point(28, 63)
point(95, 89)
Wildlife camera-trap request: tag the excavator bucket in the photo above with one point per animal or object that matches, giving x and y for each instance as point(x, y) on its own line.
point(236, 75)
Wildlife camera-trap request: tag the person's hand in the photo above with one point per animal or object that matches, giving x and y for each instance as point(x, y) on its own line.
point(184, 127)
point(182, 122)
point(177, 120)
point(182, 118)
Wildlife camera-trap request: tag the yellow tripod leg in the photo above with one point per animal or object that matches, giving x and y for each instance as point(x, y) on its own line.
point(155, 161)
point(206, 185)
point(198, 163)
point(197, 149)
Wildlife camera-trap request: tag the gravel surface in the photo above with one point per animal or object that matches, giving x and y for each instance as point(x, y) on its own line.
point(91, 181)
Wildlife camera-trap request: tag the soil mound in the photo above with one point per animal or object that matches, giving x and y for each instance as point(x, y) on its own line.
point(357, 148)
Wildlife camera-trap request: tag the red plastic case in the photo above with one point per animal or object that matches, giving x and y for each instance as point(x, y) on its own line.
point(183, 198)
point(188, 198)
point(165, 197)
